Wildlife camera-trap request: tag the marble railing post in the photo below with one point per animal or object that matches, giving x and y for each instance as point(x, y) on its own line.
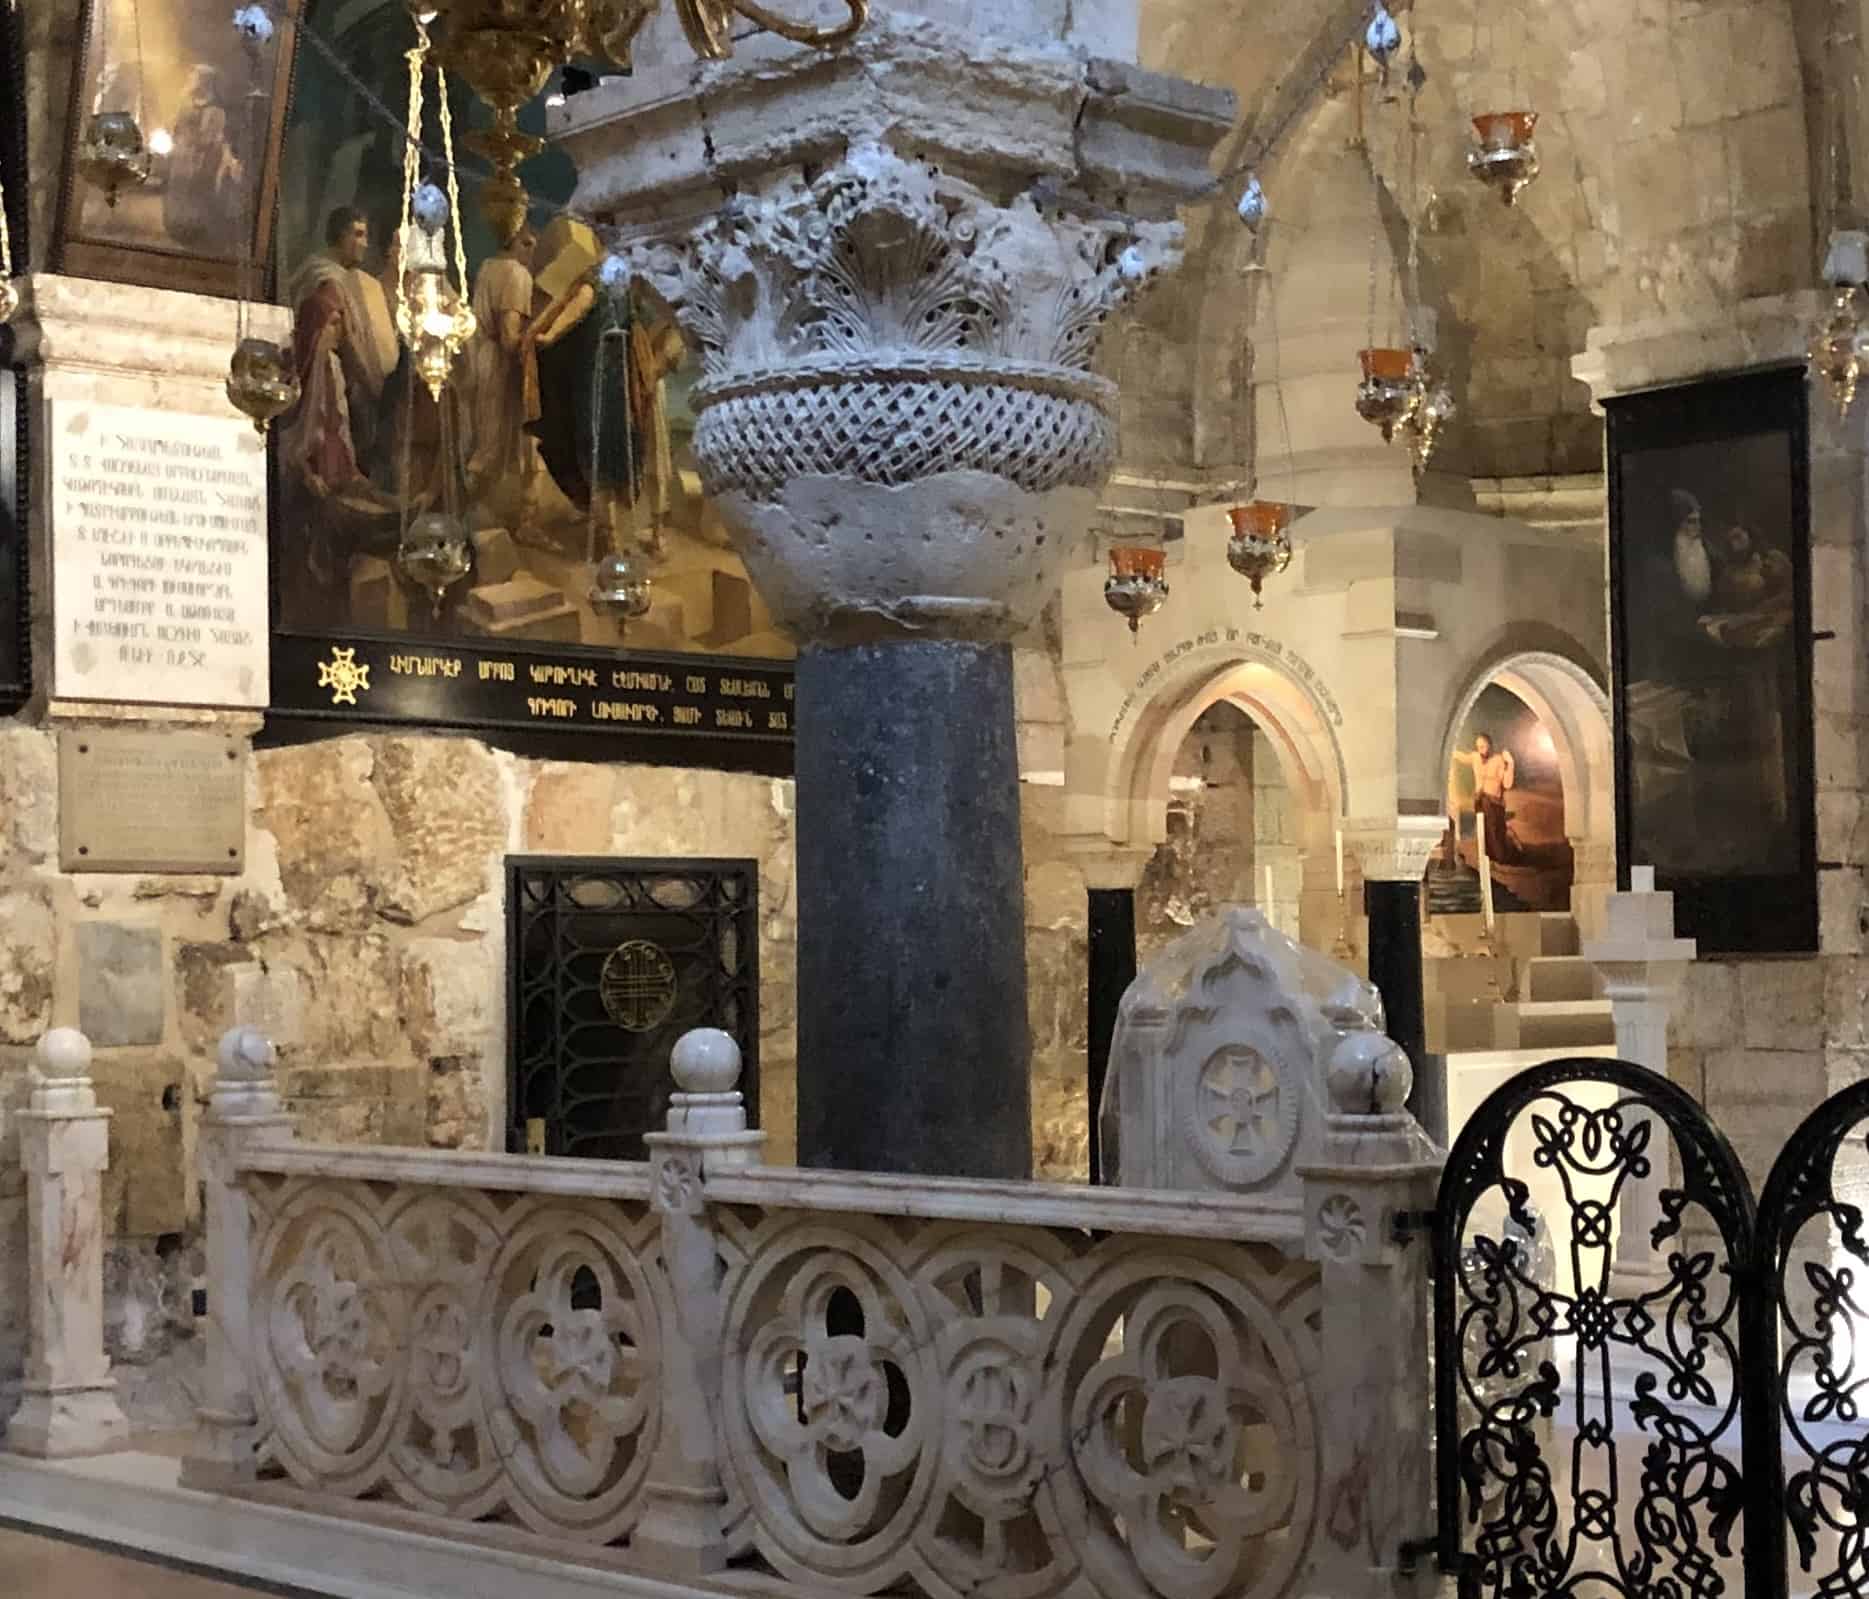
point(681, 1532)
point(1376, 1412)
point(69, 1406)
point(243, 1112)
point(1394, 852)
point(1642, 965)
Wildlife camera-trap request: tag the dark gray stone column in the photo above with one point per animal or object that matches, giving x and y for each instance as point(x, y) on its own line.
point(1394, 854)
point(1112, 969)
point(913, 1040)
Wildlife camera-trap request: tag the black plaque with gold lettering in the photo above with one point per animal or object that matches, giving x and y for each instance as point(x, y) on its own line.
point(665, 709)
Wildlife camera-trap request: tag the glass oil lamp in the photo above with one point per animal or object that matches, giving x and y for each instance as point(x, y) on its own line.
point(1386, 394)
point(261, 380)
point(112, 155)
point(1136, 586)
point(1260, 544)
point(1505, 157)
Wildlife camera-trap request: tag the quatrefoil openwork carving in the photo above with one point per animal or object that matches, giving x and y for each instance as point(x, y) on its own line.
point(1188, 1446)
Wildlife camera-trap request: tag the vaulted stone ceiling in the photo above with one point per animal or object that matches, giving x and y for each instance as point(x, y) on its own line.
point(1682, 146)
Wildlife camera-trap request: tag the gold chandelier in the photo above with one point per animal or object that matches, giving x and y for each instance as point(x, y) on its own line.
point(507, 49)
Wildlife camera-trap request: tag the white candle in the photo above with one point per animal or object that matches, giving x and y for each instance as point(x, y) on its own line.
point(1641, 879)
point(1265, 902)
point(1486, 868)
point(1340, 863)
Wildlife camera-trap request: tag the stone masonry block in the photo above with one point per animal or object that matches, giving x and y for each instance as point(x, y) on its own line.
point(1782, 1004)
point(1707, 1014)
point(120, 984)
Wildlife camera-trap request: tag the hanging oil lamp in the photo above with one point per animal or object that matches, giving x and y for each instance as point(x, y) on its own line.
point(1840, 343)
point(262, 382)
point(620, 588)
point(1433, 409)
point(1386, 394)
point(435, 554)
point(262, 378)
point(1136, 586)
point(435, 322)
point(1260, 544)
point(432, 312)
point(1504, 156)
point(112, 155)
point(1382, 38)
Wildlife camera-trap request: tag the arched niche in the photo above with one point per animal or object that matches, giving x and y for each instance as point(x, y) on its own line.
point(1565, 696)
point(1295, 724)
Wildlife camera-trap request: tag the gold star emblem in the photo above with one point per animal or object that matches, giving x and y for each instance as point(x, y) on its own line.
point(343, 676)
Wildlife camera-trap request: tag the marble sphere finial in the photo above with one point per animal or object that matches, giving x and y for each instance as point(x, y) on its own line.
point(1369, 1075)
point(64, 1054)
point(705, 1061)
point(246, 1055)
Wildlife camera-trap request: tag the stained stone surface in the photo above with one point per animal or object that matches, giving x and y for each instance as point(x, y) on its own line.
point(28, 938)
point(120, 984)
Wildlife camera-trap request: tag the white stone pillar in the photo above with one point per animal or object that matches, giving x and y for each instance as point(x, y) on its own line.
point(1375, 1168)
point(1642, 965)
point(681, 1531)
point(244, 1111)
point(70, 1402)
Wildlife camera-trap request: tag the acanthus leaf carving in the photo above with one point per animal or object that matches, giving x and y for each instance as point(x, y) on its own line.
point(879, 257)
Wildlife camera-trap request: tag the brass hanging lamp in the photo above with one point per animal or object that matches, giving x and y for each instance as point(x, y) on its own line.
point(1137, 585)
point(435, 322)
point(506, 50)
point(112, 153)
point(1504, 156)
point(262, 378)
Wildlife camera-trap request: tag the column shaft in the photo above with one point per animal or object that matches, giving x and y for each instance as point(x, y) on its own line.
point(913, 1040)
point(1112, 969)
point(1394, 910)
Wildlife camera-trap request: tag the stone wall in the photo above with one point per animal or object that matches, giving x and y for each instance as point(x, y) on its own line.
point(366, 936)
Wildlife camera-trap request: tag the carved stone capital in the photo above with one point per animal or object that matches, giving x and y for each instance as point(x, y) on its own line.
point(897, 413)
point(1394, 849)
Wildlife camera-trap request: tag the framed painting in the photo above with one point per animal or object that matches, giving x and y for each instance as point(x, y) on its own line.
point(1503, 791)
point(15, 474)
point(206, 109)
point(441, 560)
point(1710, 585)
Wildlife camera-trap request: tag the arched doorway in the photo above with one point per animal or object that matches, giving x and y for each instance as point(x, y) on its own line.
point(1270, 747)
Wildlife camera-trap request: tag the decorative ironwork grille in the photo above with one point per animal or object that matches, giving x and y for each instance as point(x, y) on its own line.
point(610, 962)
point(1588, 1420)
point(1816, 1262)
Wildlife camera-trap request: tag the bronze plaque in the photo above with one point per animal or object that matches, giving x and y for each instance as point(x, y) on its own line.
point(149, 800)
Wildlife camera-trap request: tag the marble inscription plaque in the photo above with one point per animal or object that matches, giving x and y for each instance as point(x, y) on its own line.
point(151, 800)
point(159, 556)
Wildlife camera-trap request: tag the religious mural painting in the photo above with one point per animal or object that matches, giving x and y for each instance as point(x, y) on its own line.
point(1503, 790)
point(1710, 615)
point(561, 438)
point(173, 139)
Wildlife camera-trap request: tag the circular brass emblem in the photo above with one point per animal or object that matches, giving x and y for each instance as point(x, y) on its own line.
point(637, 986)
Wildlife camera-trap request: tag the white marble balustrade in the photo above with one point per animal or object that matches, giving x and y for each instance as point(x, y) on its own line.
point(707, 1369)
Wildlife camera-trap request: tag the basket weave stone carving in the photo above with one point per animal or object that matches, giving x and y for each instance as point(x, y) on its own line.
point(895, 422)
point(896, 413)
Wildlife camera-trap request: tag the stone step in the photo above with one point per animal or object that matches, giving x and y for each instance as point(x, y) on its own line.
point(1555, 1025)
point(1557, 934)
point(1559, 977)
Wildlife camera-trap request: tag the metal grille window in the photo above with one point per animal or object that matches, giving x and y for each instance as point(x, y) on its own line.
point(610, 962)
